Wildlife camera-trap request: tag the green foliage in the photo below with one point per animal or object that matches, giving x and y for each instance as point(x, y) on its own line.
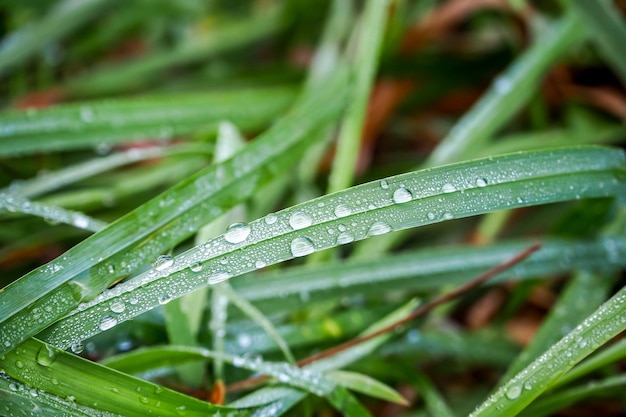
point(126, 258)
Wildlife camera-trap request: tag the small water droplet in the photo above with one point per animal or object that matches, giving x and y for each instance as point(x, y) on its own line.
point(110, 269)
point(342, 211)
point(302, 246)
point(431, 216)
point(402, 195)
point(244, 341)
point(107, 323)
point(448, 188)
point(300, 220)
point(447, 216)
point(133, 300)
point(260, 264)
point(378, 228)
point(164, 299)
point(117, 306)
point(19, 364)
point(344, 238)
point(383, 184)
point(528, 386)
point(143, 400)
point(237, 233)
point(163, 262)
point(513, 392)
point(46, 355)
point(86, 114)
point(219, 277)
point(270, 218)
point(77, 347)
point(481, 182)
point(196, 267)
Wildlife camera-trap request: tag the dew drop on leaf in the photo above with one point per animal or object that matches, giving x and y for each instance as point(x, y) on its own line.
point(164, 299)
point(431, 216)
point(378, 228)
point(481, 182)
point(107, 323)
point(344, 238)
point(117, 306)
point(260, 264)
point(448, 188)
point(513, 392)
point(300, 220)
point(270, 218)
point(219, 277)
point(77, 347)
point(342, 211)
point(302, 246)
point(237, 233)
point(196, 267)
point(163, 262)
point(402, 195)
point(383, 184)
point(46, 355)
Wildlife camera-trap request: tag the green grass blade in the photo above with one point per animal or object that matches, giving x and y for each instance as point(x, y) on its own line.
point(370, 31)
point(16, 204)
point(583, 294)
point(607, 29)
point(518, 392)
point(145, 70)
point(63, 374)
point(89, 124)
point(435, 403)
point(366, 385)
point(509, 92)
point(67, 16)
point(408, 200)
point(141, 235)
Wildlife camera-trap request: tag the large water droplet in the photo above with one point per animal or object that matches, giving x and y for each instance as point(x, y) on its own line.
point(513, 392)
point(260, 264)
point(481, 182)
point(163, 262)
point(117, 306)
point(300, 220)
point(344, 238)
point(164, 299)
point(195, 267)
point(448, 188)
point(302, 246)
point(270, 218)
point(46, 355)
point(342, 211)
point(219, 277)
point(402, 195)
point(77, 347)
point(383, 184)
point(378, 228)
point(107, 323)
point(237, 233)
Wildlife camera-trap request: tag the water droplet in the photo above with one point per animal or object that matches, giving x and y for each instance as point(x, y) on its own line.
point(117, 306)
point(383, 184)
point(344, 238)
point(528, 386)
point(19, 364)
point(402, 195)
point(196, 267)
point(133, 300)
point(260, 264)
point(46, 355)
point(378, 228)
point(86, 114)
point(270, 218)
point(300, 220)
point(431, 216)
point(513, 392)
point(143, 400)
point(107, 323)
point(110, 269)
point(77, 347)
point(448, 188)
point(447, 216)
point(481, 182)
point(342, 211)
point(302, 246)
point(164, 299)
point(103, 149)
point(163, 262)
point(237, 233)
point(219, 277)
point(244, 341)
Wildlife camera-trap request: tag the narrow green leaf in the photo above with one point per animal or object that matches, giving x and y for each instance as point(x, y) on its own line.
point(518, 392)
point(375, 208)
point(435, 403)
point(366, 385)
point(162, 117)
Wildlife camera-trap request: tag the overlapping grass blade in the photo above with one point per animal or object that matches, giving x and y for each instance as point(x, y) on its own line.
point(518, 392)
point(157, 117)
point(64, 375)
point(133, 240)
point(395, 203)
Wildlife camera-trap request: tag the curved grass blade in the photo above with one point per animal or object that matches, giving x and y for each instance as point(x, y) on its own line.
point(366, 385)
point(371, 209)
point(68, 15)
point(435, 403)
point(65, 375)
point(96, 123)
point(98, 261)
point(518, 392)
